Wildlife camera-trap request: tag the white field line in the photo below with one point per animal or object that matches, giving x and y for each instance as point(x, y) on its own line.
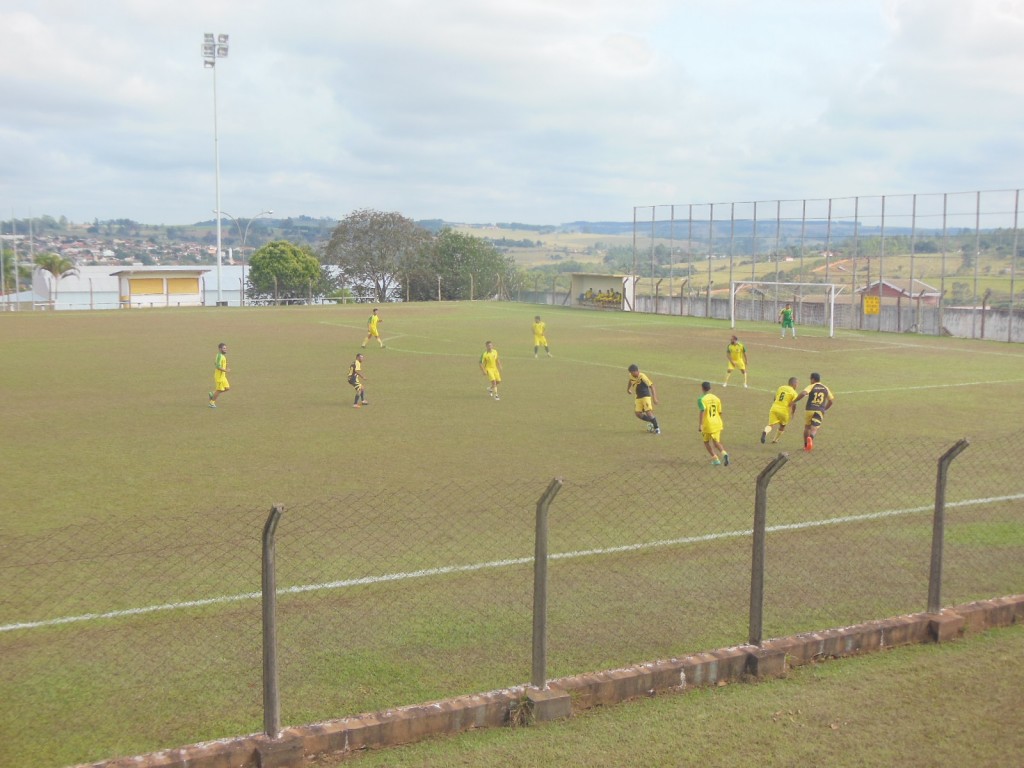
point(448, 569)
point(932, 386)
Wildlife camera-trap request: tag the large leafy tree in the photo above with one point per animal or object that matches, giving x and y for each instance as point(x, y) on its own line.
point(461, 266)
point(58, 267)
point(283, 270)
point(376, 251)
point(8, 268)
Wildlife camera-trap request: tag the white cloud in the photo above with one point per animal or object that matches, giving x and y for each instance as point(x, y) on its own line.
point(479, 110)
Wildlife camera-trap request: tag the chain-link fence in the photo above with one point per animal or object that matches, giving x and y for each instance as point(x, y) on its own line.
point(129, 636)
point(942, 263)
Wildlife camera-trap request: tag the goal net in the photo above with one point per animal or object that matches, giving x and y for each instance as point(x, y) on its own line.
point(759, 301)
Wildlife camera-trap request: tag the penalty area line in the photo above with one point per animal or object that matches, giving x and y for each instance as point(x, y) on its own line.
point(493, 564)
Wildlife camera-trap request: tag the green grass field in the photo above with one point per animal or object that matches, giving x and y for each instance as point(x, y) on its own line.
point(106, 406)
point(124, 490)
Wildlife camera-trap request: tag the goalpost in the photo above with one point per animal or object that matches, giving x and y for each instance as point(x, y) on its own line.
point(761, 300)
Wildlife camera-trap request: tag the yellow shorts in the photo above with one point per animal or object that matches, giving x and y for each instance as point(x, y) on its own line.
point(733, 365)
point(709, 436)
point(643, 404)
point(779, 416)
point(220, 382)
point(493, 375)
point(540, 341)
point(813, 418)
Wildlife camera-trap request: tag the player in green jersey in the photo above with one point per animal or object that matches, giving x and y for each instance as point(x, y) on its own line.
point(786, 320)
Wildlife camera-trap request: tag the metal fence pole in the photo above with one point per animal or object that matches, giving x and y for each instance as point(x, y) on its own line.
point(1013, 265)
point(539, 673)
point(759, 541)
point(271, 691)
point(939, 526)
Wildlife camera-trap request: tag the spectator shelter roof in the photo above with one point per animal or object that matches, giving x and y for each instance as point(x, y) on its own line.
point(900, 289)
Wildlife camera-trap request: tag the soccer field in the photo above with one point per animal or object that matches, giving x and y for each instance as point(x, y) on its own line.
point(105, 412)
point(134, 510)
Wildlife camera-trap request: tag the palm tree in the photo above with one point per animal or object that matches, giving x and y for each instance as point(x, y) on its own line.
point(58, 267)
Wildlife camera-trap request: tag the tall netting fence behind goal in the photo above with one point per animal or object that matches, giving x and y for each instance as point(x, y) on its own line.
point(941, 264)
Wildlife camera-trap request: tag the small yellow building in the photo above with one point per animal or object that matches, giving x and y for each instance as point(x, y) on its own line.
point(160, 288)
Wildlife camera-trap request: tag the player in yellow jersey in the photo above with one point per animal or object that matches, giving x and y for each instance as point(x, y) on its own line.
point(646, 397)
point(372, 331)
point(491, 367)
point(819, 399)
point(220, 374)
point(736, 354)
point(356, 380)
point(782, 410)
point(710, 424)
point(539, 339)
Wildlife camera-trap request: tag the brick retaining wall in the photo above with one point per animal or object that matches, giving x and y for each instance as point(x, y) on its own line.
point(566, 695)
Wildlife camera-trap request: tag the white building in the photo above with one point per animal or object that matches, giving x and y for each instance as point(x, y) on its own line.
point(110, 287)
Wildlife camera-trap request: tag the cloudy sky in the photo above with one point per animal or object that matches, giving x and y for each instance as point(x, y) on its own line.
point(539, 111)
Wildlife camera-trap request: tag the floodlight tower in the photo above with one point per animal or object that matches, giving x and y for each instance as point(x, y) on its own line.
point(215, 47)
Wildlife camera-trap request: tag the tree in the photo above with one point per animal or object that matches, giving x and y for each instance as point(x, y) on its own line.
point(375, 251)
point(10, 285)
point(468, 267)
point(7, 257)
point(58, 267)
point(283, 270)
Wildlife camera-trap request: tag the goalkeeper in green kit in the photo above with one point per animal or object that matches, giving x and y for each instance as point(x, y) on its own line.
point(786, 320)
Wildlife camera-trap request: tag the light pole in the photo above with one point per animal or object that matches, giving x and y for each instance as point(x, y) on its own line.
point(245, 233)
point(215, 47)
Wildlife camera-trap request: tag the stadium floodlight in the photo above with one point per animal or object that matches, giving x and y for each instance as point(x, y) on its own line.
point(215, 47)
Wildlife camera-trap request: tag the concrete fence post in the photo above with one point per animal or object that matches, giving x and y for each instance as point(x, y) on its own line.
point(757, 562)
point(939, 525)
point(271, 691)
point(539, 672)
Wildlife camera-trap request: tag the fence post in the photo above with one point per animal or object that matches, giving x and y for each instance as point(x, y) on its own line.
point(759, 544)
point(939, 525)
point(539, 673)
point(271, 692)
